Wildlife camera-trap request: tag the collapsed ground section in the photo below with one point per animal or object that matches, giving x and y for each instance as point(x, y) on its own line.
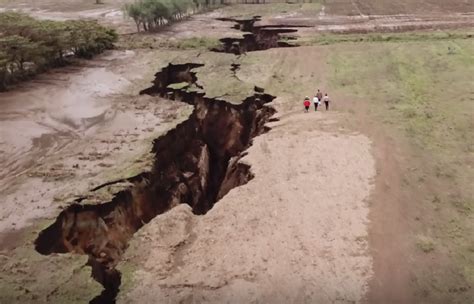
point(256, 38)
point(196, 163)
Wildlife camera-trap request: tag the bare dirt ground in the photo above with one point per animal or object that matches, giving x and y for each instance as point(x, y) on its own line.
point(325, 220)
point(108, 13)
point(296, 233)
point(349, 16)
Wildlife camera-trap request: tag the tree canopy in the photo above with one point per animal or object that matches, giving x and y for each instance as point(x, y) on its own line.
point(150, 15)
point(28, 46)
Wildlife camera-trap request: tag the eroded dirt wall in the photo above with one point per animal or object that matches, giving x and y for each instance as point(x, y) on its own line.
point(196, 163)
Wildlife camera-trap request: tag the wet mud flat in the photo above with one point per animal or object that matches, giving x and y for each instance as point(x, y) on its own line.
point(196, 163)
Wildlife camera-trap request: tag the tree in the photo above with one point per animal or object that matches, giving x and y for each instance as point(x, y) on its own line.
point(18, 50)
point(134, 11)
point(153, 14)
point(4, 72)
point(28, 46)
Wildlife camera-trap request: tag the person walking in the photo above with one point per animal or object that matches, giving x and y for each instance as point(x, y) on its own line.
point(316, 103)
point(306, 104)
point(326, 101)
point(319, 95)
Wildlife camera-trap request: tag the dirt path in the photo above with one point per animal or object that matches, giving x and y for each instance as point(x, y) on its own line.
point(289, 235)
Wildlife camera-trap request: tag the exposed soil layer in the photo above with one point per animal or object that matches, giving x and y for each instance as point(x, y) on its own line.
point(196, 163)
point(258, 38)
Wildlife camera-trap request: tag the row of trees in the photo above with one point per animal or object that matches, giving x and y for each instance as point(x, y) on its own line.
point(150, 15)
point(29, 46)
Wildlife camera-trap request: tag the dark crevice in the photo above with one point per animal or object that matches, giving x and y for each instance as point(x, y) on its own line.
point(234, 68)
point(257, 38)
point(110, 279)
point(174, 74)
point(121, 180)
point(196, 163)
point(245, 25)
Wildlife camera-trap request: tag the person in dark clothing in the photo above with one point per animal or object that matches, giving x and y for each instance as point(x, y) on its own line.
point(319, 95)
point(326, 101)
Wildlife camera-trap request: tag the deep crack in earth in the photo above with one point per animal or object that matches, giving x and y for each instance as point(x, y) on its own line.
point(257, 37)
point(196, 163)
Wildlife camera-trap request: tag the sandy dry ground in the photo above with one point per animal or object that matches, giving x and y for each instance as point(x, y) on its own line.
point(297, 233)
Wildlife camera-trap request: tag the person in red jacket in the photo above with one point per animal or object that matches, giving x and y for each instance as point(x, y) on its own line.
point(306, 104)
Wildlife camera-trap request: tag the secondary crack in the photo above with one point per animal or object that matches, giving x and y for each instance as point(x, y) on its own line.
point(257, 38)
point(234, 68)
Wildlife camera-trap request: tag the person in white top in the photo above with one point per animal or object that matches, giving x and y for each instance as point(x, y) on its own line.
point(316, 102)
point(326, 101)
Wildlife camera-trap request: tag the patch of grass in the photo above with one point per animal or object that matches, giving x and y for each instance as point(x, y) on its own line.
point(58, 278)
point(333, 38)
point(422, 84)
point(196, 43)
point(464, 207)
point(127, 271)
point(469, 267)
point(421, 87)
point(149, 41)
point(219, 81)
point(271, 9)
point(425, 244)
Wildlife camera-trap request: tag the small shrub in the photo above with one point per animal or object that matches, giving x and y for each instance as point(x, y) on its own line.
point(426, 244)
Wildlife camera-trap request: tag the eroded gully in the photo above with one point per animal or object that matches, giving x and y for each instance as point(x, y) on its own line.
point(196, 163)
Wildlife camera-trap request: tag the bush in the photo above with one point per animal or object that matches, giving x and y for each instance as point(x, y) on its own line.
point(28, 46)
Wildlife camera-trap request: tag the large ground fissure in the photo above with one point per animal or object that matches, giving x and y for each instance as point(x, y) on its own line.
point(196, 163)
point(257, 37)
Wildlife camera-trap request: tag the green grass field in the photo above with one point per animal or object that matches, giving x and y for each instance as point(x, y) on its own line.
point(423, 91)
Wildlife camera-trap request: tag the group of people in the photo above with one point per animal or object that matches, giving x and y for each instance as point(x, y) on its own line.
point(317, 99)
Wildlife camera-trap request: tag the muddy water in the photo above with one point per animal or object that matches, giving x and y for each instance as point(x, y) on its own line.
point(54, 109)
